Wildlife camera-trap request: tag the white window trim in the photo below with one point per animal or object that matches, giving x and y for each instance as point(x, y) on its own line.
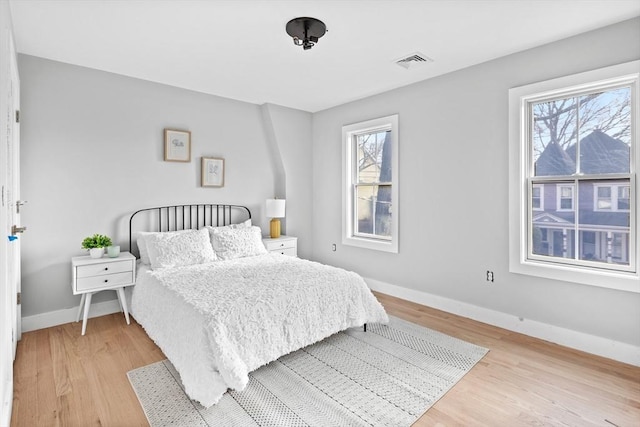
point(559, 188)
point(518, 205)
point(348, 208)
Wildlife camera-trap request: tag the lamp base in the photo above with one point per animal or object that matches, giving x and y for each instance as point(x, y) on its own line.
point(275, 228)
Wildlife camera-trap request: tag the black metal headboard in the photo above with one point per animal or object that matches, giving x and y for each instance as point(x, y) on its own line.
point(184, 217)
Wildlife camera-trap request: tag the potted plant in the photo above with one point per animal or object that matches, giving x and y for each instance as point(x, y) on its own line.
point(96, 244)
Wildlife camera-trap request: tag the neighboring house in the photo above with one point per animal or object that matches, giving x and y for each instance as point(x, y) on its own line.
point(603, 206)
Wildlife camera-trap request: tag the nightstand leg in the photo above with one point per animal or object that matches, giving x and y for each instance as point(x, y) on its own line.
point(119, 300)
point(80, 308)
point(123, 303)
point(87, 304)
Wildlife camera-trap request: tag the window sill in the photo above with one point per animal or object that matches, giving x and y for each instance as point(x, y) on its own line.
point(374, 244)
point(622, 281)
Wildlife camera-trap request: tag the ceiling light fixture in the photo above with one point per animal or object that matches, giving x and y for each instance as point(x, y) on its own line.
point(306, 31)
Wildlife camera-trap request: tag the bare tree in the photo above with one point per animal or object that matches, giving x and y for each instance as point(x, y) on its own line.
point(565, 120)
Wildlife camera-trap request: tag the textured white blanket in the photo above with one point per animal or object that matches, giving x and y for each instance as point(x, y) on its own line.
point(217, 322)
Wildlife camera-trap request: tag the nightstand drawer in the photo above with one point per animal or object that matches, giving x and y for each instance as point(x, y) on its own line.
point(286, 251)
point(103, 268)
point(278, 245)
point(105, 280)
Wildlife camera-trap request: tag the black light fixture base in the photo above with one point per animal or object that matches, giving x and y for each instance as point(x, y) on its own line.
point(306, 31)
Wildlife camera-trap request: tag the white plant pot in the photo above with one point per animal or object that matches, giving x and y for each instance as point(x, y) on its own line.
point(96, 252)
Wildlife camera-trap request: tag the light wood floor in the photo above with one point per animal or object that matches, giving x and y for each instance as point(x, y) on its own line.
point(62, 378)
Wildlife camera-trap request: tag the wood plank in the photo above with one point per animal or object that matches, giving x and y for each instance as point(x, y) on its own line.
point(63, 378)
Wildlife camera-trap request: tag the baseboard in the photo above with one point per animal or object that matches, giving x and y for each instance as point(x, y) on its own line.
point(59, 317)
point(604, 347)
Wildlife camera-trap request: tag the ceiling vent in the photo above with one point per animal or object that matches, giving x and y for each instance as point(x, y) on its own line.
point(413, 60)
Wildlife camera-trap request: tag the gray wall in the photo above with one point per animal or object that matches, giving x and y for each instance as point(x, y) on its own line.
point(454, 188)
point(92, 153)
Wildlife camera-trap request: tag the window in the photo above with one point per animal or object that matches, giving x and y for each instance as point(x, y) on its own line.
point(370, 184)
point(537, 197)
point(565, 197)
point(611, 197)
point(576, 136)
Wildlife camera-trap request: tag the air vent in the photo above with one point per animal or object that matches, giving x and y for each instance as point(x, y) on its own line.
point(413, 60)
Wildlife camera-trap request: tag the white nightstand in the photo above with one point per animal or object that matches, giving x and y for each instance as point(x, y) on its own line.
point(285, 245)
point(91, 275)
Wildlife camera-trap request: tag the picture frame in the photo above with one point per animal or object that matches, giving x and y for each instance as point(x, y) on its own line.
point(212, 172)
point(177, 145)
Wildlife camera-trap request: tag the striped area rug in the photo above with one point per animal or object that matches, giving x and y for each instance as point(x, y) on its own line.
point(387, 376)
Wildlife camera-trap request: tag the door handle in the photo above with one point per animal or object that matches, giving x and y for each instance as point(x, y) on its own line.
point(16, 230)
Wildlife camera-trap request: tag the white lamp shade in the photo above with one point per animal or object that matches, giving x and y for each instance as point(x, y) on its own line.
point(275, 208)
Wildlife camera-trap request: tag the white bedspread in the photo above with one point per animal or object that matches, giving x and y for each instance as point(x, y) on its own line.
point(217, 322)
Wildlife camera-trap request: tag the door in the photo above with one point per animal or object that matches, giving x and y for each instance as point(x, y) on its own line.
point(9, 247)
point(13, 195)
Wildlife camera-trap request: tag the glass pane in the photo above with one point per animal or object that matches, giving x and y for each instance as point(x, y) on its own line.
point(553, 231)
point(598, 125)
point(373, 204)
point(566, 192)
point(623, 197)
point(374, 157)
point(604, 198)
point(603, 231)
point(536, 192)
point(535, 202)
point(604, 192)
point(605, 132)
point(536, 197)
point(554, 130)
point(552, 241)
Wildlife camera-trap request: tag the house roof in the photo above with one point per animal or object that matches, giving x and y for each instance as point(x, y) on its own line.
point(554, 161)
point(599, 153)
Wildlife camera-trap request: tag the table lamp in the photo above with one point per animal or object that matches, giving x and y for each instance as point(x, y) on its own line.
point(275, 211)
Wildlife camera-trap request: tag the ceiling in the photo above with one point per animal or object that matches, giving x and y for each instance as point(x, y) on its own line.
point(239, 49)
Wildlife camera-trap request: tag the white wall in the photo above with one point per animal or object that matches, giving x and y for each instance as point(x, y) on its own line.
point(454, 189)
point(92, 153)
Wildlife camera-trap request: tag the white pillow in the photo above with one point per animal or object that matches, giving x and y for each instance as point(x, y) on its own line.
point(178, 249)
point(231, 243)
point(142, 243)
point(244, 224)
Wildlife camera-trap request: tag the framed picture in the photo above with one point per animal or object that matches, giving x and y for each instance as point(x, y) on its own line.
point(212, 172)
point(177, 145)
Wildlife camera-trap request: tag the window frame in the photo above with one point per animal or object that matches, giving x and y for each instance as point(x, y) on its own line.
point(520, 261)
point(350, 182)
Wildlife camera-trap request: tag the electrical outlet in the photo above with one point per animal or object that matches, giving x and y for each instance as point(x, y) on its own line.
point(489, 276)
point(333, 247)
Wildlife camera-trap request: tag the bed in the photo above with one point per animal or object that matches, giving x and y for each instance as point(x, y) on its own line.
point(220, 306)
